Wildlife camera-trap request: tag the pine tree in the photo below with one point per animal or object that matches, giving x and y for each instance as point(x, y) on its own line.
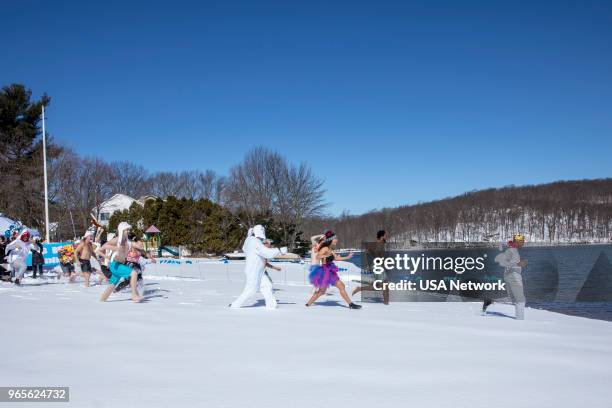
point(21, 189)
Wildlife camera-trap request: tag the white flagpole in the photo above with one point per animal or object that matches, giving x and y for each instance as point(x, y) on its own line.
point(44, 140)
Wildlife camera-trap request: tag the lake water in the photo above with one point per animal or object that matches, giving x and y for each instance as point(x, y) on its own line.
point(574, 280)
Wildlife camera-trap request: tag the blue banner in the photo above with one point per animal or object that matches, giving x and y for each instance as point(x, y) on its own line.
point(50, 254)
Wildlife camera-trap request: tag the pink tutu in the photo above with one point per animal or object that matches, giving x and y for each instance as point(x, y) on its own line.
point(322, 277)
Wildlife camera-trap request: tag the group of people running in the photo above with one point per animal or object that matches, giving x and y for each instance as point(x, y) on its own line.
point(323, 272)
point(121, 259)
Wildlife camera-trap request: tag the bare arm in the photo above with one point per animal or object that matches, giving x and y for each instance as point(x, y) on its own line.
point(79, 249)
point(100, 253)
point(343, 258)
point(110, 245)
point(99, 233)
point(138, 246)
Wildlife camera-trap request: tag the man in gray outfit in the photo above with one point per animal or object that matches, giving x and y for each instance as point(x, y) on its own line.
point(513, 266)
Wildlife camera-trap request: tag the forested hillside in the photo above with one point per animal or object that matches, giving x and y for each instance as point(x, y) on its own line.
point(564, 211)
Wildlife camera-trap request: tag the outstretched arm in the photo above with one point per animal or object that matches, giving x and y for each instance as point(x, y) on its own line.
point(343, 258)
point(269, 265)
point(99, 233)
point(16, 243)
point(100, 253)
point(265, 252)
point(508, 258)
point(110, 245)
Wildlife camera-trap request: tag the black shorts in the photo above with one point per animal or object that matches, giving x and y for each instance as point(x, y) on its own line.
point(85, 265)
point(106, 271)
point(135, 266)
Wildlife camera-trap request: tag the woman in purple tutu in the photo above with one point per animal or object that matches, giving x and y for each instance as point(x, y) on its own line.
point(324, 272)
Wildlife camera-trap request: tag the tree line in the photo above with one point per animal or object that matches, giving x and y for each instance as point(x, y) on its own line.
point(565, 211)
point(200, 224)
point(78, 186)
point(208, 211)
point(199, 208)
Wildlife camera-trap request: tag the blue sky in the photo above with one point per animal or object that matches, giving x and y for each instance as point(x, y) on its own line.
point(390, 103)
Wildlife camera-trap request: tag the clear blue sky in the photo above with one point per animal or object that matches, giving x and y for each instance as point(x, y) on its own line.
point(390, 102)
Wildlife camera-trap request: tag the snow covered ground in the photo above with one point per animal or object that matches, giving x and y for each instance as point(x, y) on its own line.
point(183, 347)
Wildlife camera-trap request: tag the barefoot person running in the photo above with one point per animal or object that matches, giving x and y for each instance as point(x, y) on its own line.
point(104, 256)
point(325, 274)
point(378, 250)
point(137, 259)
point(120, 246)
point(84, 251)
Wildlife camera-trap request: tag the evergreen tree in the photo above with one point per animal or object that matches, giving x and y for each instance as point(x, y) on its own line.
point(22, 189)
point(201, 225)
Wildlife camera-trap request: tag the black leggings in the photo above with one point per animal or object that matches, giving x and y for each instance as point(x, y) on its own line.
point(38, 268)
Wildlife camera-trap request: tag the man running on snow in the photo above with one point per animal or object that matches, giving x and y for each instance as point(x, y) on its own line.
point(119, 247)
point(513, 266)
point(84, 252)
point(256, 255)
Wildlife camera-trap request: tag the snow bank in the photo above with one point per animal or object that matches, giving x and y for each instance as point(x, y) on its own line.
point(184, 347)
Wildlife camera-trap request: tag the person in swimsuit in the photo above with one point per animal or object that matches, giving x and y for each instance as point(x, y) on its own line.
point(104, 256)
point(325, 273)
point(137, 259)
point(120, 246)
point(84, 251)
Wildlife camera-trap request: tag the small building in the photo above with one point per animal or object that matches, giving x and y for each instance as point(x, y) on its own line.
point(118, 202)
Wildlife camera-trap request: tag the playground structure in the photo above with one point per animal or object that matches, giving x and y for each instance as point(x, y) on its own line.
point(153, 243)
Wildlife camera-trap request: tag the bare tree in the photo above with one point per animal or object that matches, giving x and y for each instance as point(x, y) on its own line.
point(164, 184)
point(264, 183)
point(130, 179)
point(206, 183)
point(78, 187)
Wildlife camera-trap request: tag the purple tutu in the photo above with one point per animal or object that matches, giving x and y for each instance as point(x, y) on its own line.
point(322, 277)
